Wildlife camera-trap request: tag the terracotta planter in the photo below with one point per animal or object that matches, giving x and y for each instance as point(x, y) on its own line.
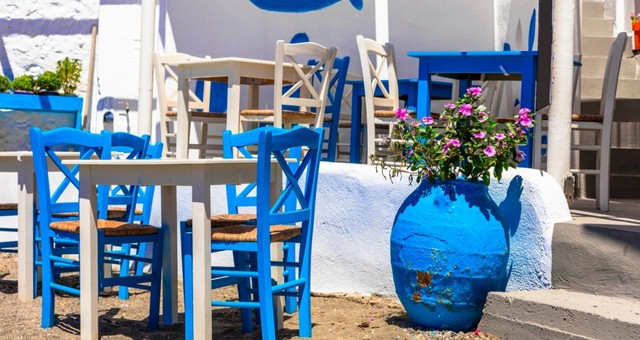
point(636, 35)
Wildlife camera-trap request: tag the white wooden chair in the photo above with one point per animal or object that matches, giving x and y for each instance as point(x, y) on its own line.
point(309, 100)
point(600, 124)
point(379, 110)
point(210, 144)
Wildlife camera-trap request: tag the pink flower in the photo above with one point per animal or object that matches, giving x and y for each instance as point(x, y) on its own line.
point(490, 151)
point(482, 117)
point(525, 120)
point(427, 120)
point(520, 155)
point(524, 111)
point(500, 136)
point(466, 109)
point(402, 114)
point(480, 134)
point(454, 143)
point(474, 91)
point(449, 106)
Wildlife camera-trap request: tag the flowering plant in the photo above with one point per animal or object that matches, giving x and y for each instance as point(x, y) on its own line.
point(464, 141)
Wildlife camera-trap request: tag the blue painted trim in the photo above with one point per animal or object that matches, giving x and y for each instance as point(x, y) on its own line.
point(43, 103)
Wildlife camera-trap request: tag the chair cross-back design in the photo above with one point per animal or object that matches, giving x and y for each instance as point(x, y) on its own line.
point(301, 92)
point(600, 124)
point(380, 110)
point(58, 221)
point(277, 222)
point(198, 108)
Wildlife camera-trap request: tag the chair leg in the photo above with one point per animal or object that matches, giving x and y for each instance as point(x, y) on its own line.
point(267, 319)
point(123, 291)
point(48, 293)
point(156, 272)
point(244, 290)
point(290, 302)
point(187, 279)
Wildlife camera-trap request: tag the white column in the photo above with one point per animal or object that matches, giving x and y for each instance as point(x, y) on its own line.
point(382, 28)
point(559, 136)
point(147, 37)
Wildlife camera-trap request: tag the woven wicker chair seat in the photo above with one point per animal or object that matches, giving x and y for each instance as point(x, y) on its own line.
point(112, 214)
point(581, 118)
point(8, 206)
point(225, 220)
point(199, 114)
point(110, 228)
point(246, 233)
point(286, 114)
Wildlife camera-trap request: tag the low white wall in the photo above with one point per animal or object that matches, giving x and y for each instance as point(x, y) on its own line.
point(355, 211)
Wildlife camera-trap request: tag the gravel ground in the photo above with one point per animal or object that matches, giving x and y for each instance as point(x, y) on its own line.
point(335, 316)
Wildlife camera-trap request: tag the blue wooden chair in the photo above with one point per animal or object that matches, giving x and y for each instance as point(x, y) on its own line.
point(333, 106)
point(9, 209)
point(57, 224)
point(251, 243)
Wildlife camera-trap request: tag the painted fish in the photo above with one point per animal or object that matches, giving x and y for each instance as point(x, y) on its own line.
point(299, 5)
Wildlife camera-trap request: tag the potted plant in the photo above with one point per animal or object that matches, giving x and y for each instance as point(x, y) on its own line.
point(69, 71)
point(23, 84)
point(448, 245)
point(48, 83)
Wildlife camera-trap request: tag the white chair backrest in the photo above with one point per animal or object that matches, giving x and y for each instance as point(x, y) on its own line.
point(610, 81)
point(310, 98)
point(164, 71)
point(372, 75)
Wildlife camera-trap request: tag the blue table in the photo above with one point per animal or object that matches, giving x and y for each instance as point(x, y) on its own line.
point(507, 65)
point(406, 88)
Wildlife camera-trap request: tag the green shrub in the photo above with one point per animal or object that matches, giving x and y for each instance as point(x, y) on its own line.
point(48, 82)
point(5, 84)
point(23, 83)
point(69, 71)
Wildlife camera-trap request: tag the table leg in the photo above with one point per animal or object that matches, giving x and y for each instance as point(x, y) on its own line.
point(170, 256)
point(356, 120)
point(25, 231)
point(201, 254)
point(89, 256)
point(233, 103)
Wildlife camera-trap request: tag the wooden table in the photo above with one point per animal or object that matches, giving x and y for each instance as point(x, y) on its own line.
point(199, 174)
point(509, 65)
point(235, 72)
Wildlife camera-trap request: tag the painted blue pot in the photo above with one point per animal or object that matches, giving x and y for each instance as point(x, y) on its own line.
point(448, 250)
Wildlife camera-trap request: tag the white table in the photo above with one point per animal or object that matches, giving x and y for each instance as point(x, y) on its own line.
point(21, 162)
point(233, 71)
point(199, 174)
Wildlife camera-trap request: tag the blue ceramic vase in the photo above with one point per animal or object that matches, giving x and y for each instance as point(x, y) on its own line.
point(448, 251)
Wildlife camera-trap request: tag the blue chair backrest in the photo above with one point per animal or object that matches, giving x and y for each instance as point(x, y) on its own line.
point(134, 147)
point(275, 145)
point(246, 144)
point(45, 160)
point(334, 104)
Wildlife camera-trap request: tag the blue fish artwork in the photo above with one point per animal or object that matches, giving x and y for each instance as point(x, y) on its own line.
point(298, 6)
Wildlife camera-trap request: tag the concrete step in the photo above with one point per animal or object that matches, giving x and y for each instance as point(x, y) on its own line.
point(598, 254)
point(593, 67)
point(592, 10)
point(591, 88)
point(597, 27)
point(560, 314)
point(599, 46)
